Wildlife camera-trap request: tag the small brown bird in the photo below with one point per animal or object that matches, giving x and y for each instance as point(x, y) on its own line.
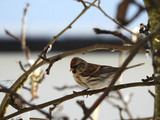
point(93, 76)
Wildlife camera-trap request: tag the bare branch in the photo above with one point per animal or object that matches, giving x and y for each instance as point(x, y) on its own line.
point(115, 33)
point(81, 93)
point(152, 94)
point(23, 38)
point(10, 34)
point(125, 104)
point(23, 35)
point(114, 20)
point(22, 66)
point(84, 4)
point(66, 87)
point(122, 9)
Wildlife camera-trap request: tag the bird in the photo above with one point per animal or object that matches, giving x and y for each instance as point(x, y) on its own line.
point(93, 76)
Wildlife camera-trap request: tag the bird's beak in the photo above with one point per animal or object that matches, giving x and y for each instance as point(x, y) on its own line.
point(72, 69)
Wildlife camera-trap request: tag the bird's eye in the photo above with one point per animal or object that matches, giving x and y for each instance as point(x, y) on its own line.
point(75, 66)
point(74, 71)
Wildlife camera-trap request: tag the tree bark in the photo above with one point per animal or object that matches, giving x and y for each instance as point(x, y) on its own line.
point(153, 10)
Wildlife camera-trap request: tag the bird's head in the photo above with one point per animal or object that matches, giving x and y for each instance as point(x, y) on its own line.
point(78, 65)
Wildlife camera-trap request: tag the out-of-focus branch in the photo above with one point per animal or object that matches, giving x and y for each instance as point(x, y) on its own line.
point(66, 87)
point(126, 108)
point(22, 101)
point(20, 64)
point(122, 10)
point(22, 40)
point(23, 34)
point(115, 33)
point(10, 34)
point(125, 104)
point(115, 21)
point(83, 106)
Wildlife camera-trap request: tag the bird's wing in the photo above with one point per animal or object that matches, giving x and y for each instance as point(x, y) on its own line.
point(91, 69)
point(105, 69)
point(95, 70)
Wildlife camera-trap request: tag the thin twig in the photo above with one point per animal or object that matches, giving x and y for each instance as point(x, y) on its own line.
point(125, 104)
point(114, 20)
point(21, 66)
point(23, 35)
point(115, 33)
point(66, 87)
point(126, 109)
point(152, 94)
point(10, 34)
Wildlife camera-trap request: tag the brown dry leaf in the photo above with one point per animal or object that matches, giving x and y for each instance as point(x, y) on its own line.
point(121, 11)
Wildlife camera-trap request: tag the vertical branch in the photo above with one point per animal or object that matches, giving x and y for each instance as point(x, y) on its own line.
point(119, 82)
point(23, 34)
point(154, 21)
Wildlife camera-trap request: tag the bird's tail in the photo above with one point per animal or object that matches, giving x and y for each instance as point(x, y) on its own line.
point(134, 65)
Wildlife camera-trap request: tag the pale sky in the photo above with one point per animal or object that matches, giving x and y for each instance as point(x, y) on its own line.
point(48, 18)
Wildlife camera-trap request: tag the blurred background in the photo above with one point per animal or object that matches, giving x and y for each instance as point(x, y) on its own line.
point(46, 19)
